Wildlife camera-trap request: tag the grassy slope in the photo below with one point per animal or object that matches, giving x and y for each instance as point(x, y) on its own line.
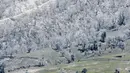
point(104, 64)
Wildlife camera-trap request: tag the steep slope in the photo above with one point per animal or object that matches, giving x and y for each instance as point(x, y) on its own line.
point(72, 27)
point(11, 8)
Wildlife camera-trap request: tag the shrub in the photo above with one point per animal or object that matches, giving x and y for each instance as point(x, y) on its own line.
point(84, 70)
point(103, 37)
point(2, 68)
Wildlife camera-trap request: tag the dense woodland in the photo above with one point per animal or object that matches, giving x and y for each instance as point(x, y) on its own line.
point(72, 27)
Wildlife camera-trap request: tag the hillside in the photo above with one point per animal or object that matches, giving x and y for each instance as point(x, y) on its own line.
point(37, 33)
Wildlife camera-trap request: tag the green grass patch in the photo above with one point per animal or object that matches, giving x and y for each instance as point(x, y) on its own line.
point(104, 64)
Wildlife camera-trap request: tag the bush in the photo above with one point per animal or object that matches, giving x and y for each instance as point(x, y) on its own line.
point(103, 37)
point(2, 68)
point(84, 70)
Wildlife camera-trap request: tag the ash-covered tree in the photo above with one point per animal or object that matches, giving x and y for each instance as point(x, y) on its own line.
point(121, 20)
